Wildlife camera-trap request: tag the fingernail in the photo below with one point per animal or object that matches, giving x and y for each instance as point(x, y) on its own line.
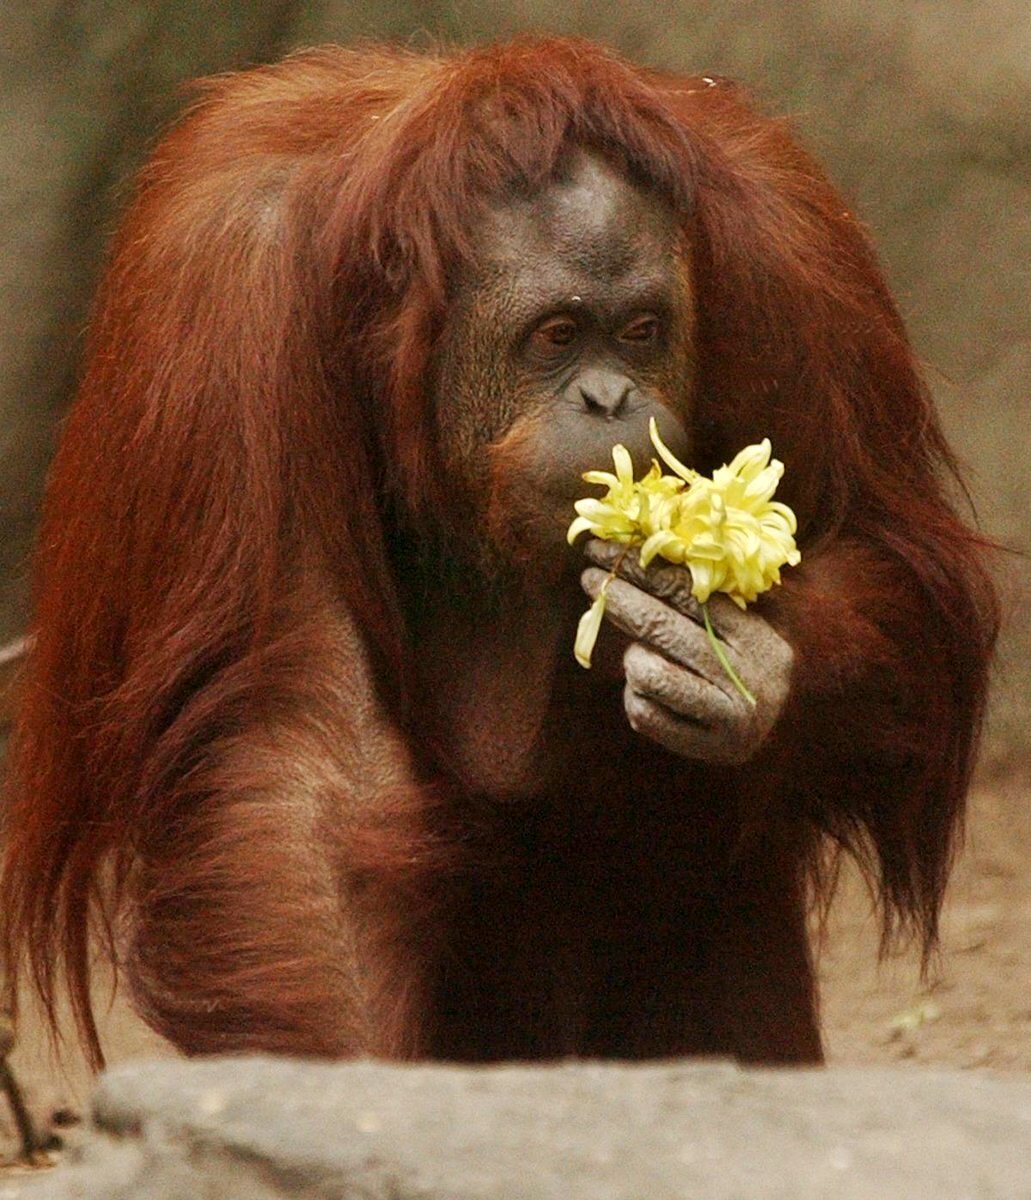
point(601, 551)
point(592, 581)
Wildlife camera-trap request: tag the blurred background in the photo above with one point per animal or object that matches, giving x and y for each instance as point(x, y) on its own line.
point(919, 108)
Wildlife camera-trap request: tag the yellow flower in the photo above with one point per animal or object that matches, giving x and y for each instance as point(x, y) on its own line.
point(728, 530)
point(614, 516)
point(623, 511)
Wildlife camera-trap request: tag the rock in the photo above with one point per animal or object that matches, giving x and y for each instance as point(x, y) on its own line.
point(258, 1129)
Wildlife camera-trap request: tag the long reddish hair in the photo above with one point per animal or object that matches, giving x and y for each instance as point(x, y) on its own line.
point(255, 400)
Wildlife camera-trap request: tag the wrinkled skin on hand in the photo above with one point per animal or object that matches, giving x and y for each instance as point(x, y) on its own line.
point(677, 692)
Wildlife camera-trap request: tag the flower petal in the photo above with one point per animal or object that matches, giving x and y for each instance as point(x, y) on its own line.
point(624, 465)
point(665, 543)
point(580, 525)
point(587, 631)
point(747, 463)
point(604, 478)
point(667, 456)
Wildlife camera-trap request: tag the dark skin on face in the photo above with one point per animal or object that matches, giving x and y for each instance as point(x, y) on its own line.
point(574, 331)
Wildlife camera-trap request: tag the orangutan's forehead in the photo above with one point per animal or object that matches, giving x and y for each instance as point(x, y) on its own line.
point(590, 223)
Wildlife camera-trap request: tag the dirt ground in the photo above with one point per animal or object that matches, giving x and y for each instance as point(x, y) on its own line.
point(975, 1009)
point(975, 1012)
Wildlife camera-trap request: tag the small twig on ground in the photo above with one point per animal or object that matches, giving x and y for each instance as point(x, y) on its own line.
point(30, 1142)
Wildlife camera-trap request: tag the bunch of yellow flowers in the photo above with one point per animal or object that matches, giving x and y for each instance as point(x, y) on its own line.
point(728, 531)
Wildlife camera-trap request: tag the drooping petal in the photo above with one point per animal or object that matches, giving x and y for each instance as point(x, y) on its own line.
point(587, 631)
point(701, 580)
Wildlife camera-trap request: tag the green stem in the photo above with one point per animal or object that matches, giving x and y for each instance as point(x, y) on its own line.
point(735, 678)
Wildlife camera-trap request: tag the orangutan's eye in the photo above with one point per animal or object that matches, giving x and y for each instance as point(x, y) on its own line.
point(555, 334)
point(642, 330)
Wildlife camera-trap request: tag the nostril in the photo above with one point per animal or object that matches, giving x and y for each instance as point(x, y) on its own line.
point(608, 402)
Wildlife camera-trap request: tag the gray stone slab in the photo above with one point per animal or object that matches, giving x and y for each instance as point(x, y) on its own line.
point(260, 1128)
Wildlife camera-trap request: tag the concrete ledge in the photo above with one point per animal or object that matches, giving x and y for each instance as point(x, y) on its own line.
point(257, 1129)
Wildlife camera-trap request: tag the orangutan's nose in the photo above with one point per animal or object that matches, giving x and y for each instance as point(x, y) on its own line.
point(604, 393)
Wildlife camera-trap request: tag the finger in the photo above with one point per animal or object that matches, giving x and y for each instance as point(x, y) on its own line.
point(682, 691)
point(733, 625)
point(670, 582)
point(645, 618)
point(681, 735)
